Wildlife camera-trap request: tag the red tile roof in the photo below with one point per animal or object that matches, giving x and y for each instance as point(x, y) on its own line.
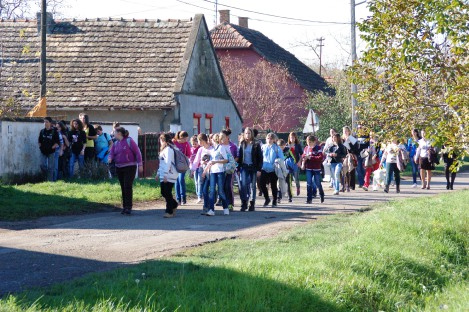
point(225, 36)
point(231, 36)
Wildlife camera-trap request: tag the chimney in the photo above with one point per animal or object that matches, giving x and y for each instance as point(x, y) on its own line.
point(50, 22)
point(224, 16)
point(243, 22)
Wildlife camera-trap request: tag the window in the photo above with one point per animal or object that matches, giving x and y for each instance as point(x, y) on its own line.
point(227, 122)
point(196, 127)
point(208, 123)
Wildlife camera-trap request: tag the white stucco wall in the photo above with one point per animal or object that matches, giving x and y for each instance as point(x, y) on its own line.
point(149, 120)
point(19, 151)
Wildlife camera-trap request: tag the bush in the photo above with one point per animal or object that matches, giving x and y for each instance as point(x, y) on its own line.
point(94, 171)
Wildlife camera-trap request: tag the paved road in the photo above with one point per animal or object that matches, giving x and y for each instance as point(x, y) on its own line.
point(54, 249)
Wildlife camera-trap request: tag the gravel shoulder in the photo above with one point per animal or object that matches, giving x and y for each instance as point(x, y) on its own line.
point(54, 249)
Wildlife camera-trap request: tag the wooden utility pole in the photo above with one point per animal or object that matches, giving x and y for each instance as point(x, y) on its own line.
point(320, 54)
point(43, 47)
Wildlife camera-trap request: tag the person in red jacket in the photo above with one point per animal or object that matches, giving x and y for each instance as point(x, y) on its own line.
point(312, 159)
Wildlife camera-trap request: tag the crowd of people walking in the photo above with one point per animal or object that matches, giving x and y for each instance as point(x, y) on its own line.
point(216, 163)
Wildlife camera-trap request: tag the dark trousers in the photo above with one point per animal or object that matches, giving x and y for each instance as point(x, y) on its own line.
point(360, 171)
point(352, 179)
point(228, 188)
point(450, 176)
point(126, 177)
point(89, 154)
point(269, 177)
point(167, 193)
point(390, 169)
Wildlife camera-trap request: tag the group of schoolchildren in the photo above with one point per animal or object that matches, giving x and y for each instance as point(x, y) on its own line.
point(216, 163)
point(63, 147)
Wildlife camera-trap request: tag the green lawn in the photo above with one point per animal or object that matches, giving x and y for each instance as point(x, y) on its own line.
point(409, 255)
point(30, 201)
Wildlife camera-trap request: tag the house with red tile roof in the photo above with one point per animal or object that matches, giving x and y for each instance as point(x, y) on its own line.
point(248, 47)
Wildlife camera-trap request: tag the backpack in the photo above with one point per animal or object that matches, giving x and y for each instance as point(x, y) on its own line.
point(291, 165)
point(230, 166)
point(181, 162)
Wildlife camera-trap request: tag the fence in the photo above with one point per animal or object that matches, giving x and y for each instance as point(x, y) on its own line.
point(149, 146)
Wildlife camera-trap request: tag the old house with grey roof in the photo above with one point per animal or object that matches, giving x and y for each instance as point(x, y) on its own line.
point(159, 73)
point(249, 46)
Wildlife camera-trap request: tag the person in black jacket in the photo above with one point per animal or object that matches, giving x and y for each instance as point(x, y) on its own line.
point(335, 156)
point(450, 173)
point(250, 163)
point(48, 141)
point(77, 140)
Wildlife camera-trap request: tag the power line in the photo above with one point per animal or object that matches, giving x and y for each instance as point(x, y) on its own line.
point(252, 19)
point(278, 16)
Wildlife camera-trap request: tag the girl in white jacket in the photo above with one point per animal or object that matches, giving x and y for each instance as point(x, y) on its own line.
point(168, 174)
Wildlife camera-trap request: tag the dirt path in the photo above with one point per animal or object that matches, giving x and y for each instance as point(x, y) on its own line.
point(54, 249)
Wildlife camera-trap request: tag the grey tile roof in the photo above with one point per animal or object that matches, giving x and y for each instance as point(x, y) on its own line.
point(124, 64)
point(231, 36)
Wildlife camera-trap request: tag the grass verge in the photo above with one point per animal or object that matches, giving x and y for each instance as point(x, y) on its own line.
point(408, 255)
point(29, 201)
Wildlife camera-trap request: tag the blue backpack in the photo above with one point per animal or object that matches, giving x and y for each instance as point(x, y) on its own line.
point(291, 165)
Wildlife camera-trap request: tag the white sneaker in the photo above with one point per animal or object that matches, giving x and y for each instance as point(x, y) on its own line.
point(199, 201)
point(226, 211)
point(336, 192)
point(414, 185)
point(210, 213)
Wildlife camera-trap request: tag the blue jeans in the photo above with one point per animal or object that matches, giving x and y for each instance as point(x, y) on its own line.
point(247, 181)
point(360, 170)
point(71, 165)
point(198, 182)
point(47, 166)
point(415, 170)
point(217, 180)
point(56, 163)
point(313, 183)
point(205, 184)
point(336, 168)
point(181, 187)
point(228, 188)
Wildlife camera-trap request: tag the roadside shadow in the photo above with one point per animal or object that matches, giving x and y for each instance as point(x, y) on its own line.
point(23, 269)
point(182, 286)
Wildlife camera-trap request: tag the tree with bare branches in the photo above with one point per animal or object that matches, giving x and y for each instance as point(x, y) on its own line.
point(14, 9)
point(262, 92)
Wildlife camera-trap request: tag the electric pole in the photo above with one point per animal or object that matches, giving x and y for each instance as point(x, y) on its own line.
point(216, 14)
point(320, 54)
point(43, 47)
point(354, 58)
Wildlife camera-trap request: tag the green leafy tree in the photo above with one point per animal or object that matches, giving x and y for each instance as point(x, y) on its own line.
point(334, 110)
point(414, 71)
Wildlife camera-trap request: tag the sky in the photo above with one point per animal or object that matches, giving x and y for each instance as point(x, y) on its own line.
point(291, 34)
